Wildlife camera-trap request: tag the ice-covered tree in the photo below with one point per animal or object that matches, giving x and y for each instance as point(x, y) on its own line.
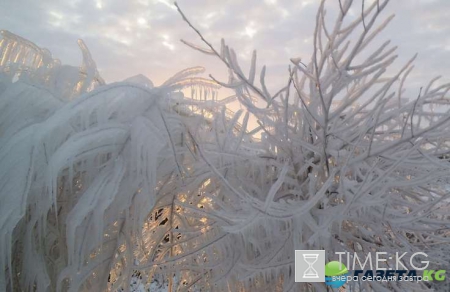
point(103, 185)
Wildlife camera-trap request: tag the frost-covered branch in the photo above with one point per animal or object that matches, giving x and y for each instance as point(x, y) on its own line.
point(103, 185)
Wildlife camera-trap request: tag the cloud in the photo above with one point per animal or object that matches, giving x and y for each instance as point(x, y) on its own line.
point(142, 36)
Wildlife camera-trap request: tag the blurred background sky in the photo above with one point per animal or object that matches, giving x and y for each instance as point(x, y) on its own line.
point(142, 36)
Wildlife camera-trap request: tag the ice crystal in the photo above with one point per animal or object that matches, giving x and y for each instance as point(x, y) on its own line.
point(131, 186)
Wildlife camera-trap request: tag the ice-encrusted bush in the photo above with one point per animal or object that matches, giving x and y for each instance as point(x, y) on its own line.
point(105, 184)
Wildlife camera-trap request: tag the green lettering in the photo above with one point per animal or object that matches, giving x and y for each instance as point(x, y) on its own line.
point(428, 275)
point(439, 275)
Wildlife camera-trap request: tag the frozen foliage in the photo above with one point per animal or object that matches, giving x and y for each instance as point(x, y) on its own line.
point(107, 185)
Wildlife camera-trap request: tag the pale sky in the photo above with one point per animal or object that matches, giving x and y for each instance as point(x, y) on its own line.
point(142, 36)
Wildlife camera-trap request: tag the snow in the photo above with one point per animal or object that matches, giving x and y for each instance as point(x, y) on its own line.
point(128, 186)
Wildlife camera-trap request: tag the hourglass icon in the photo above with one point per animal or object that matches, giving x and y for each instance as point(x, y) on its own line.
point(309, 266)
point(310, 272)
